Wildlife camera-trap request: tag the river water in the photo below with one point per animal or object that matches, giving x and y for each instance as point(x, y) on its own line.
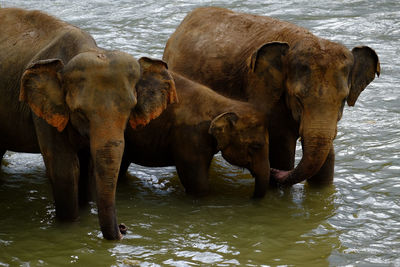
point(356, 222)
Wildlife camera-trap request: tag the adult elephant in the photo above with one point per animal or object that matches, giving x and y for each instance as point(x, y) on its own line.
point(217, 47)
point(63, 96)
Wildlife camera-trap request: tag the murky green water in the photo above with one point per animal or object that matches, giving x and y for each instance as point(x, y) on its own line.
point(356, 222)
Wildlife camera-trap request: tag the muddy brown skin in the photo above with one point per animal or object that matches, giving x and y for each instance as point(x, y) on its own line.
point(214, 46)
point(66, 98)
point(189, 133)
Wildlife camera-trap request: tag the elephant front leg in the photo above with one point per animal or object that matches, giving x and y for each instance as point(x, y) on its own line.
point(63, 171)
point(282, 150)
point(193, 175)
point(62, 166)
point(87, 184)
point(283, 135)
point(325, 174)
point(124, 167)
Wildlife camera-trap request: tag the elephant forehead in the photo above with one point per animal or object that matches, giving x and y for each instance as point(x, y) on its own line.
point(319, 77)
point(318, 54)
point(104, 62)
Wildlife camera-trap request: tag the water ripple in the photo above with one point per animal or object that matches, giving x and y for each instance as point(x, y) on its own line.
point(354, 223)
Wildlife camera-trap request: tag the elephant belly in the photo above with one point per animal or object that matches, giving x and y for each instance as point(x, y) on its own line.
point(17, 134)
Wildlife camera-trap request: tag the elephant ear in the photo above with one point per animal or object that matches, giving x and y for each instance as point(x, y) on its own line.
point(266, 73)
point(221, 128)
point(366, 65)
point(41, 89)
point(155, 91)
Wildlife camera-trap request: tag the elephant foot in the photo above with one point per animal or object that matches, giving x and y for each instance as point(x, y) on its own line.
point(122, 228)
point(278, 177)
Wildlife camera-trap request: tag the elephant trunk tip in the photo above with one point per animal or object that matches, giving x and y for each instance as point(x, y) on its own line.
point(280, 177)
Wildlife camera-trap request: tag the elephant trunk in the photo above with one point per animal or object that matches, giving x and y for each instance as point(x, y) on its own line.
point(107, 150)
point(317, 140)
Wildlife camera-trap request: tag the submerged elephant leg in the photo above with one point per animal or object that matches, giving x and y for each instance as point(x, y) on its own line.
point(64, 173)
point(62, 166)
point(193, 175)
point(325, 174)
point(281, 156)
point(282, 140)
point(123, 168)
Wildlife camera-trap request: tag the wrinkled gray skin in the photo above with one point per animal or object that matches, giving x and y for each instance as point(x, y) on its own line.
point(66, 98)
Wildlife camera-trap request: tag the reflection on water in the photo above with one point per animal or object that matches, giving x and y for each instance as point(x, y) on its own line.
point(353, 223)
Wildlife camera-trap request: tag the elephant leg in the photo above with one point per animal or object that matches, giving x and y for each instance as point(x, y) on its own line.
point(283, 135)
point(282, 152)
point(123, 168)
point(193, 174)
point(62, 166)
point(325, 174)
point(64, 177)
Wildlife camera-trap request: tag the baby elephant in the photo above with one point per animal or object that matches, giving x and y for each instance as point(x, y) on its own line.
point(190, 132)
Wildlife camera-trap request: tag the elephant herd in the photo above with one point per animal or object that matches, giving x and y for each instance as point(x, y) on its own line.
point(248, 86)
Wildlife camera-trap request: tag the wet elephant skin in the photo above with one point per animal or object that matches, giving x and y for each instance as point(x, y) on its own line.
point(303, 98)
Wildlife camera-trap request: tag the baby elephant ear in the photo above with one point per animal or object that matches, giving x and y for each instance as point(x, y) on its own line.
point(41, 90)
point(155, 91)
point(366, 65)
point(221, 128)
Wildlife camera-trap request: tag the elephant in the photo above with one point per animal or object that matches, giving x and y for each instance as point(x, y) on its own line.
point(64, 97)
point(188, 134)
point(217, 47)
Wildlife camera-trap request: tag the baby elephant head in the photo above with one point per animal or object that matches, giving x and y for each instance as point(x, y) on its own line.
point(243, 141)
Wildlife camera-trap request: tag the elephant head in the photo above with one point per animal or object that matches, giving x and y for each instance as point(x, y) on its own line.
point(95, 94)
point(243, 141)
point(320, 79)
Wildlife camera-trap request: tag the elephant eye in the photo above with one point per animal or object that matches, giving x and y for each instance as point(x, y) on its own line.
point(255, 146)
point(80, 114)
